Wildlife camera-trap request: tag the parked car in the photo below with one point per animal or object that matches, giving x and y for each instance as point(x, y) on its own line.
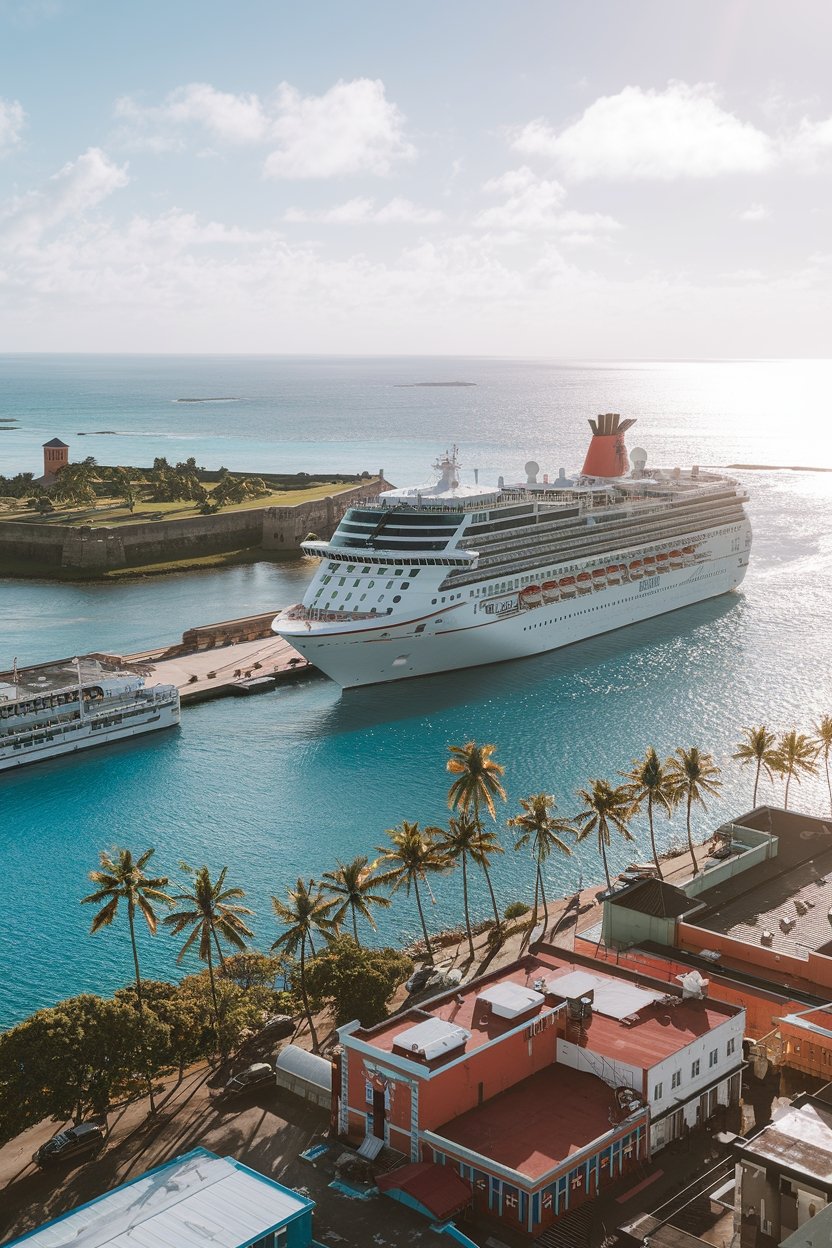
point(279, 1027)
point(84, 1140)
point(419, 979)
point(253, 1076)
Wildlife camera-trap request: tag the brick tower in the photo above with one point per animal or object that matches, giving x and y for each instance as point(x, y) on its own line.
point(55, 457)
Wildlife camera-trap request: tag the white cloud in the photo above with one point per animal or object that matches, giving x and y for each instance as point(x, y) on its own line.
point(756, 212)
point(12, 119)
point(810, 140)
point(79, 186)
point(680, 132)
point(227, 117)
point(362, 210)
point(534, 204)
point(351, 128)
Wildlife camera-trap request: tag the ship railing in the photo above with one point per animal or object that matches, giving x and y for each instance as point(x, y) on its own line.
point(319, 615)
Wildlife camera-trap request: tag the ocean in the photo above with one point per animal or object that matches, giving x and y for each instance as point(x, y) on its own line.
point(285, 785)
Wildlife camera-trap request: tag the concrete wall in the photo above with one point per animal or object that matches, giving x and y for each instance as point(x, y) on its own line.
point(758, 846)
point(284, 528)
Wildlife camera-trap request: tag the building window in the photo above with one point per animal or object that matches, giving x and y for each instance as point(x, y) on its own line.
point(657, 1092)
point(677, 1079)
point(694, 1069)
point(713, 1057)
point(732, 1044)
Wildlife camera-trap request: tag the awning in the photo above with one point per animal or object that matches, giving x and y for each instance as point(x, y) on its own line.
point(436, 1191)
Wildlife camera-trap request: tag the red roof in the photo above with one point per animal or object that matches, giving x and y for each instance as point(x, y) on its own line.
point(439, 1189)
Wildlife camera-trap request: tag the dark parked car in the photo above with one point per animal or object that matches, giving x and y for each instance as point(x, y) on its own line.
point(85, 1140)
point(253, 1076)
point(279, 1027)
point(419, 978)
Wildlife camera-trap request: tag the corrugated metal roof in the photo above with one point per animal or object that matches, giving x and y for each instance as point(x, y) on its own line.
point(305, 1065)
point(197, 1201)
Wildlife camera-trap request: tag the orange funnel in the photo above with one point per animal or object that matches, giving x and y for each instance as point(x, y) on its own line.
point(607, 454)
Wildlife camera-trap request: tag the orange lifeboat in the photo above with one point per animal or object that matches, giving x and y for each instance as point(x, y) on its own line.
point(636, 570)
point(599, 578)
point(688, 555)
point(531, 596)
point(649, 565)
point(566, 584)
point(663, 562)
point(551, 591)
point(614, 574)
point(584, 581)
point(675, 559)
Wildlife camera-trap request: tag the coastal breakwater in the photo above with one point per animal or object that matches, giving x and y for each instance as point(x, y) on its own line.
point(100, 548)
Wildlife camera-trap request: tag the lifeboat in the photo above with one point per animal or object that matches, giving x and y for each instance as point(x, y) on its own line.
point(614, 574)
point(636, 570)
point(688, 555)
point(551, 592)
point(649, 565)
point(599, 578)
point(675, 559)
point(566, 584)
point(584, 582)
point(663, 562)
point(531, 596)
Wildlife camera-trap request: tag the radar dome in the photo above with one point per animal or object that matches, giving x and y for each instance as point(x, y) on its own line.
point(532, 469)
point(638, 456)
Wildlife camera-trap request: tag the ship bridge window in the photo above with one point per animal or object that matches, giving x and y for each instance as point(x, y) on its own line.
point(405, 585)
point(414, 572)
point(397, 597)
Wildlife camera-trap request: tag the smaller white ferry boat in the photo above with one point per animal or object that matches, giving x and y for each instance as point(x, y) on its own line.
point(64, 707)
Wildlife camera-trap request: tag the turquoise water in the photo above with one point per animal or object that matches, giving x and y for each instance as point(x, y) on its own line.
point(284, 784)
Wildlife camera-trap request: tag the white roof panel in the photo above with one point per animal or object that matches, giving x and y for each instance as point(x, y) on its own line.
point(197, 1200)
point(510, 1000)
point(432, 1038)
point(615, 998)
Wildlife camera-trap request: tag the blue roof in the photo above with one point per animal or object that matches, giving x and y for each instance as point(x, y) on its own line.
point(194, 1200)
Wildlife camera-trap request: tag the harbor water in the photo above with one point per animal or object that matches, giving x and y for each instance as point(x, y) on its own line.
point(285, 785)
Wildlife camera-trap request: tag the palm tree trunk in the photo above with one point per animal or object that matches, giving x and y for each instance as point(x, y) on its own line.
point(543, 896)
point(536, 896)
point(756, 782)
point(217, 943)
point(140, 1003)
point(690, 836)
point(355, 926)
point(786, 795)
point(828, 779)
point(422, 917)
point(603, 848)
point(313, 1033)
point(214, 997)
point(493, 898)
point(465, 904)
point(653, 834)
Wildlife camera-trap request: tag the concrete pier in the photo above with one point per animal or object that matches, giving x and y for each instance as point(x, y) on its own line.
point(211, 660)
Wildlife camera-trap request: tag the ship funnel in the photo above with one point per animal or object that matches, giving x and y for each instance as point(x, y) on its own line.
point(607, 454)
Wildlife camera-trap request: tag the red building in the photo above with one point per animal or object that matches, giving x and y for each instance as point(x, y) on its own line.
point(536, 1082)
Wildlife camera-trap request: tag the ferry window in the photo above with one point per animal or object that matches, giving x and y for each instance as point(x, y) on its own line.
point(397, 597)
point(349, 595)
point(414, 572)
point(405, 585)
point(398, 572)
point(333, 567)
point(351, 567)
point(355, 584)
point(389, 585)
point(370, 584)
point(342, 581)
point(433, 602)
point(365, 569)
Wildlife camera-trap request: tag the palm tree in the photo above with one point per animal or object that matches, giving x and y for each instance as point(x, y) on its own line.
point(538, 827)
point(693, 776)
point(122, 878)
point(477, 783)
point(823, 732)
point(410, 859)
point(212, 915)
point(648, 781)
point(307, 911)
point(757, 750)
point(605, 809)
point(461, 841)
point(796, 753)
point(354, 882)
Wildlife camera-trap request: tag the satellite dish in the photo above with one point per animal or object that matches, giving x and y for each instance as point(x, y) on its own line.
point(532, 469)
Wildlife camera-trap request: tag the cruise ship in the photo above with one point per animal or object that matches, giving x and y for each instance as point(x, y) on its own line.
point(449, 575)
point(64, 707)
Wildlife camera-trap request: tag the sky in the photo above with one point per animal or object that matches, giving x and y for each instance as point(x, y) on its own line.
point(605, 180)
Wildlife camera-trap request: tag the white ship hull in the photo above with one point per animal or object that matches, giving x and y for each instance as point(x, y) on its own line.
point(82, 736)
point(462, 635)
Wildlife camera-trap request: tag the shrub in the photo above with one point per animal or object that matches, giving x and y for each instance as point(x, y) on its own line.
point(516, 910)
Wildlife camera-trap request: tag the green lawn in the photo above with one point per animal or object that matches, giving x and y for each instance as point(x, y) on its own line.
point(113, 511)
